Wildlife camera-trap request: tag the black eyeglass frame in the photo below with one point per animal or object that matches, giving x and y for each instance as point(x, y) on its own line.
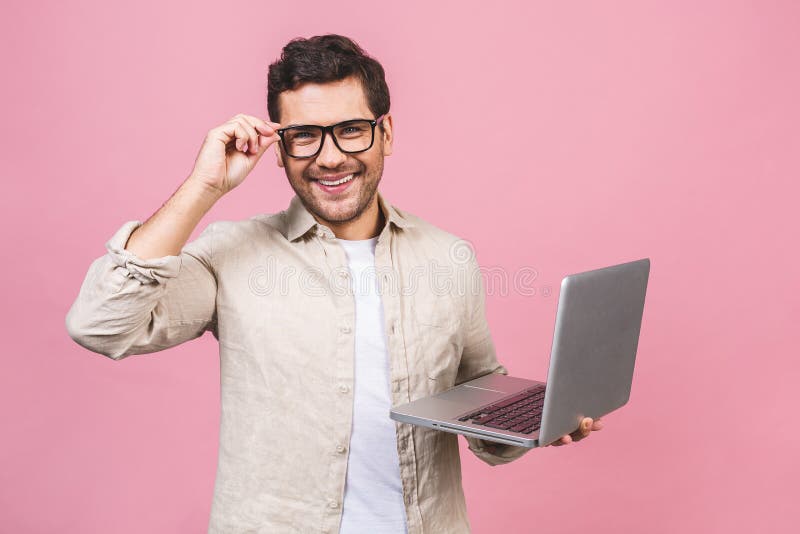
point(329, 130)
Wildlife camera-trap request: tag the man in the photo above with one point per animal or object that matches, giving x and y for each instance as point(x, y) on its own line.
point(323, 319)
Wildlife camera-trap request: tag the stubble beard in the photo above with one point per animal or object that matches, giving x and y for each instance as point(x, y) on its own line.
point(365, 198)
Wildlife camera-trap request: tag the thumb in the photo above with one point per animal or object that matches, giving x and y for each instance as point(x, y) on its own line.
point(263, 144)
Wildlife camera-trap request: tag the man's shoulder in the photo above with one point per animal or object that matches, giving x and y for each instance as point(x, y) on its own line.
point(436, 240)
point(233, 232)
point(420, 227)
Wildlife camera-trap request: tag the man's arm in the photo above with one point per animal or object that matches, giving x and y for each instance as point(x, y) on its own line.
point(150, 292)
point(153, 293)
point(479, 358)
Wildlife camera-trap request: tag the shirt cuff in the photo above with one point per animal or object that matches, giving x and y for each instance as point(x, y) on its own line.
point(152, 271)
point(503, 454)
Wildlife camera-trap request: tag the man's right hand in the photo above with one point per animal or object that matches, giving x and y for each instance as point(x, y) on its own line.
point(230, 151)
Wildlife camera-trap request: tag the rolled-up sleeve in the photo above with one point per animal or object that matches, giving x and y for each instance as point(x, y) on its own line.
point(478, 358)
point(127, 305)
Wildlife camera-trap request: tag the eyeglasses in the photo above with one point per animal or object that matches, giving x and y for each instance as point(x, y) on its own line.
point(350, 137)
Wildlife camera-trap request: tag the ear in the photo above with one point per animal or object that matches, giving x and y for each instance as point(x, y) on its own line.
point(278, 153)
point(388, 134)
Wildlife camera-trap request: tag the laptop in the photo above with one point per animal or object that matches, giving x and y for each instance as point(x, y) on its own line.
point(598, 320)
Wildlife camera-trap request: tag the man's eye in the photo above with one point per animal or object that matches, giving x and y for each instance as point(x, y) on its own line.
point(352, 131)
point(302, 135)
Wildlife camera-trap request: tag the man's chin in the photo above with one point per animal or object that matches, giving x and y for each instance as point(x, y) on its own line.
point(336, 211)
point(338, 217)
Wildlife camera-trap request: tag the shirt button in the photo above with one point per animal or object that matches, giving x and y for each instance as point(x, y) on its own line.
point(333, 504)
point(345, 329)
point(340, 448)
point(344, 388)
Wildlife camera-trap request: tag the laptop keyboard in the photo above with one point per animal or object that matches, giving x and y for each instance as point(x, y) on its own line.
point(521, 413)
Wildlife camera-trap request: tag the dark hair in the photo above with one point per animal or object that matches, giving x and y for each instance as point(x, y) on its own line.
point(326, 58)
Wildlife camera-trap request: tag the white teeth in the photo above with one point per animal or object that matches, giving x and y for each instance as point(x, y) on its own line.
point(337, 182)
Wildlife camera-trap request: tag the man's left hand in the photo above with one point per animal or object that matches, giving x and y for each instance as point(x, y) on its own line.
point(587, 425)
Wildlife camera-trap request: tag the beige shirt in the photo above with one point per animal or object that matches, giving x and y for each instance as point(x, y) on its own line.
point(274, 290)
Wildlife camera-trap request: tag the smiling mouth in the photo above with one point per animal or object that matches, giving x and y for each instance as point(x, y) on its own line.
point(340, 181)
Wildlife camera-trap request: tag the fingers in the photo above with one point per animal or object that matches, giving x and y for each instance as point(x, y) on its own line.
point(584, 430)
point(563, 440)
point(247, 133)
point(262, 133)
point(250, 142)
point(229, 133)
point(586, 427)
point(264, 127)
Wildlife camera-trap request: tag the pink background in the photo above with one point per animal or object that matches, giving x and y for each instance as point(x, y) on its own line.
point(560, 138)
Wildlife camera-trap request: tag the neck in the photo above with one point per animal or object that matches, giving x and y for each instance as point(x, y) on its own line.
point(367, 225)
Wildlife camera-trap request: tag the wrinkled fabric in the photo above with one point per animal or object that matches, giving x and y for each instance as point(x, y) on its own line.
point(274, 291)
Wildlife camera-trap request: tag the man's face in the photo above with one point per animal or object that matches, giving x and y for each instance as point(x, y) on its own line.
point(323, 105)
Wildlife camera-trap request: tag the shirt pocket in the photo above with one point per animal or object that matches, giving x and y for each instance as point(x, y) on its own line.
point(438, 341)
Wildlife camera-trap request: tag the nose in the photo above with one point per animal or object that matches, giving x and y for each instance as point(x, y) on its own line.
point(330, 156)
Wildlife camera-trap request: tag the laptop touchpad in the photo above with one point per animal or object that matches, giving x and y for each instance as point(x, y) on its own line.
point(471, 395)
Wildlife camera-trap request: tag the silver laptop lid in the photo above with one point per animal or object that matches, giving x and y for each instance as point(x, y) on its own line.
point(594, 345)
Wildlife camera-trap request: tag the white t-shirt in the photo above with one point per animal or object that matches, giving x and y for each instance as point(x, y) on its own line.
point(373, 496)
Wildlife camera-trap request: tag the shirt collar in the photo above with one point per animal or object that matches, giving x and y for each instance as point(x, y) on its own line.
point(300, 220)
